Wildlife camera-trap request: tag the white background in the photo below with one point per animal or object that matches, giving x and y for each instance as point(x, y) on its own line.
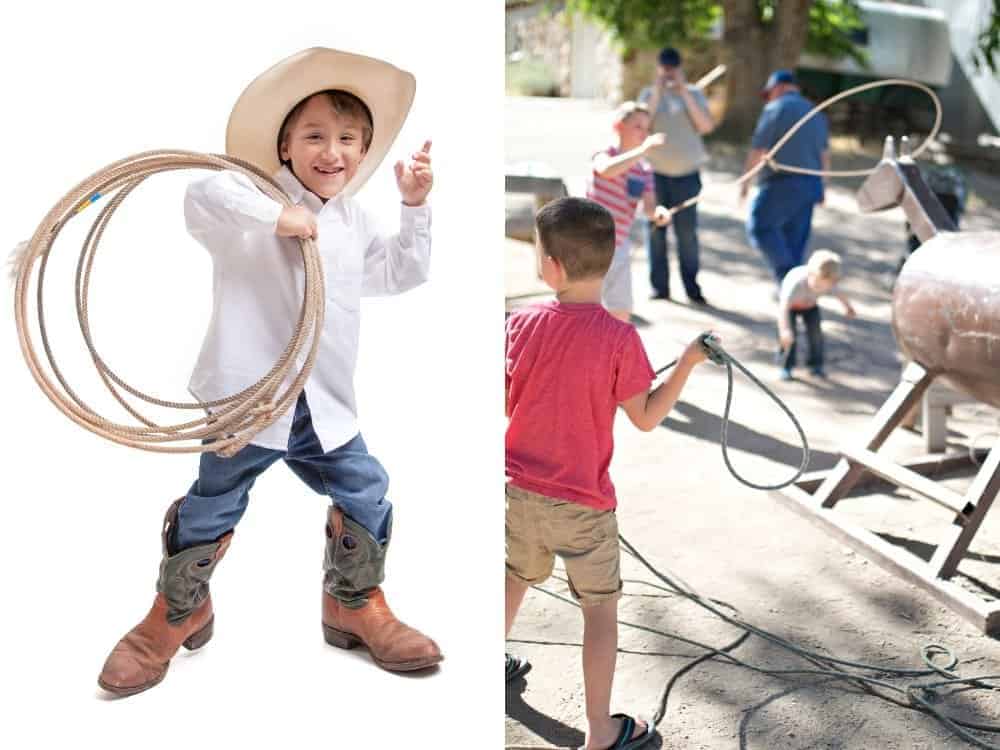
point(86, 84)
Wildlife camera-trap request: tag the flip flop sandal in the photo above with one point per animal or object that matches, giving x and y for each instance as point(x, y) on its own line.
point(516, 667)
point(625, 739)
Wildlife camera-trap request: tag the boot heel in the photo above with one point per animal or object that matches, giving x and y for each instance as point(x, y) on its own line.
point(203, 636)
point(339, 638)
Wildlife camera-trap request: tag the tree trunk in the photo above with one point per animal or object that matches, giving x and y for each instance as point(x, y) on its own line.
point(751, 50)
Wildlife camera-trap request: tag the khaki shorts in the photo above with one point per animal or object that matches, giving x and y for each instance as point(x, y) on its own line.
point(538, 528)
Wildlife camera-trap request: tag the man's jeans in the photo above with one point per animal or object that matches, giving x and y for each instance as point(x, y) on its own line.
point(814, 335)
point(353, 479)
point(669, 192)
point(781, 219)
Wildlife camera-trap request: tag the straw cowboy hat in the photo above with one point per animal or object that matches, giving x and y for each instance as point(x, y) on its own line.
point(252, 132)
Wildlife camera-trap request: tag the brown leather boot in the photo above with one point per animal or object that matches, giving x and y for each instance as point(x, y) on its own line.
point(354, 608)
point(181, 615)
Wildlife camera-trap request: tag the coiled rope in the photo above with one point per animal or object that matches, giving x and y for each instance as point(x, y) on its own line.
point(230, 423)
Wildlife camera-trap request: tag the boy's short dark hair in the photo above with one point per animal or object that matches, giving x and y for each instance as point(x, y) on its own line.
point(579, 233)
point(344, 103)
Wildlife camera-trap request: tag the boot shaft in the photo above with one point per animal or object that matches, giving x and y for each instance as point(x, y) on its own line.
point(354, 562)
point(184, 575)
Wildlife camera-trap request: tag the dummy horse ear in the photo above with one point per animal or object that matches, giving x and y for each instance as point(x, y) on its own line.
point(884, 187)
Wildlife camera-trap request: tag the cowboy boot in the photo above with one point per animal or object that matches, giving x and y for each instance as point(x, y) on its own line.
point(181, 615)
point(354, 607)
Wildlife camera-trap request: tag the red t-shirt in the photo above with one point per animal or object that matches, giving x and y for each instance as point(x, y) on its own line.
point(568, 368)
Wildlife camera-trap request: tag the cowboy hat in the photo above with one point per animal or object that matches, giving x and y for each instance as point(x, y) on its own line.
point(387, 91)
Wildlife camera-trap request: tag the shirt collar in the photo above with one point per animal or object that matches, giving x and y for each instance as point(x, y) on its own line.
point(301, 196)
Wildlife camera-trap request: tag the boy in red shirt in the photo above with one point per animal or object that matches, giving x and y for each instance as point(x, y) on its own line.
point(569, 365)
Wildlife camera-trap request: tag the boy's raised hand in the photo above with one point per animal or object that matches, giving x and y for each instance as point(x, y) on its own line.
point(653, 141)
point(296, 221)
point(416, 178)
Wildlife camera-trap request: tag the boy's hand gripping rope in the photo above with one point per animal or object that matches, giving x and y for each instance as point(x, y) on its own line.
point(714, 351)
point(233, 421)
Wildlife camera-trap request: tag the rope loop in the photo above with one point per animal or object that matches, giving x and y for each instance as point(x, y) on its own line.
point(228, 424)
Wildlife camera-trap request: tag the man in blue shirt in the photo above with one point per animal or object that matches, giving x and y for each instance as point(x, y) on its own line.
point(781, 213)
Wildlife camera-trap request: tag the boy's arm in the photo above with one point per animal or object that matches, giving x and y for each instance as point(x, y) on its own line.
point(226, 204)
point(608, 166)
point(647, 409)
point(848, 307)
point(399, 263)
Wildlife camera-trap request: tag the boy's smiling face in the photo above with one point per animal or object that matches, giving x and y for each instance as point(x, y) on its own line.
point(324, 147)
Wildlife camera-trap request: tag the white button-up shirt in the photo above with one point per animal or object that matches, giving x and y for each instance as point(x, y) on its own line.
point(258, 282)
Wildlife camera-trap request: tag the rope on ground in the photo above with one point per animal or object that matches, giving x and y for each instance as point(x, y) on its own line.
point(230, 423)
point(873, 679)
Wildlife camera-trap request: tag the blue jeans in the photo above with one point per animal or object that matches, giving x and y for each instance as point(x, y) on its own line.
point(814, 335)
point(669, 192)
point(353, 479)
point(781, 218)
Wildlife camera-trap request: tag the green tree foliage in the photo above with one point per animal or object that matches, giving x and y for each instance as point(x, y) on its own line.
point(642, 24)
point(831, 23)
point(989, 43)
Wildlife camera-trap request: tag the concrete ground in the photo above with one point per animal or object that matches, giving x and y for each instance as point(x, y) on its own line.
point(681, 508)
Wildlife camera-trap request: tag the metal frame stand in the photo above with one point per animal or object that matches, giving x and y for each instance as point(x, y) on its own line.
point(815, 496)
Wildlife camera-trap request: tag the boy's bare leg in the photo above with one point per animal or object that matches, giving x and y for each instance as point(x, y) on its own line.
point(514, 596)
point(600, 651)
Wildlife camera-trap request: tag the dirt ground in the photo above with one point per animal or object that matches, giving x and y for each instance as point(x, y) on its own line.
point(680, 507)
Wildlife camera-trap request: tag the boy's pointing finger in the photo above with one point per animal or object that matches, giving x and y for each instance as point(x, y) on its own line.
point(427, 146)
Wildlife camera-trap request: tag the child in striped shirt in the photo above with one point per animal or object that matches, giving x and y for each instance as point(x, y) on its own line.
point(620, 178)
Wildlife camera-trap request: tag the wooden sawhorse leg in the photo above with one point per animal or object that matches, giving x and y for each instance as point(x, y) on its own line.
point(845, 475)
point(978, 500)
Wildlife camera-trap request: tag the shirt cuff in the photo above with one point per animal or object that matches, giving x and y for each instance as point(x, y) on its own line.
point(415, 216)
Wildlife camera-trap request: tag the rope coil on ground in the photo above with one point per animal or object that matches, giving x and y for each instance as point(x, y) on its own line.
point(230, 423)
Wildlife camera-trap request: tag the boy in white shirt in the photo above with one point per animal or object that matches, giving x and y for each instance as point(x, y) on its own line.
point(799, 298)
point(320, 122)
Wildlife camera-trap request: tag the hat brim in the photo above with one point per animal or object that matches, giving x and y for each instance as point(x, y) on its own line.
point(252, 132)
